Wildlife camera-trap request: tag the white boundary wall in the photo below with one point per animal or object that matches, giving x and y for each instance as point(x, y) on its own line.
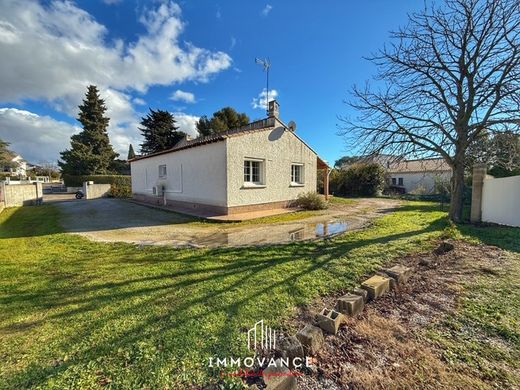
point(501, 200)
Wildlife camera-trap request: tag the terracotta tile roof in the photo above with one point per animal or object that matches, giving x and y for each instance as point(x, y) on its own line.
point(424, 165)
point(253, 127)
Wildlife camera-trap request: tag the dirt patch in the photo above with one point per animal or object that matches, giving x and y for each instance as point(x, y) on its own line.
point(386, 346)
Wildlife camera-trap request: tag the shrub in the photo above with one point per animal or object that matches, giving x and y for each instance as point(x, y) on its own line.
point(310, 201)
point(360, 179)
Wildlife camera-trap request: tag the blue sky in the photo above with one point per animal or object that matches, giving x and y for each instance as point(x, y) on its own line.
point(191, 58)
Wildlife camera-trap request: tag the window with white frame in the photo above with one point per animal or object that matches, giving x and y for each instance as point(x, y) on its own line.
point(253, 172)
point(162, 170)
point(297, 174)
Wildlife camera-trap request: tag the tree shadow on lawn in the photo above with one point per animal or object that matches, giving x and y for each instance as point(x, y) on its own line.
point(504, 237)
point(224, 290)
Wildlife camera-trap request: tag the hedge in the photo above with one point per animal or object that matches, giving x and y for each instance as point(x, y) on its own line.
point(77, 181)
point(121, 184)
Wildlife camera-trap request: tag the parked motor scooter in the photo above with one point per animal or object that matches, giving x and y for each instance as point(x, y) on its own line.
point(79, 194)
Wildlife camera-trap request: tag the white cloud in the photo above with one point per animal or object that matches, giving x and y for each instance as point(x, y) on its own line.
point(139, 101)
point(112, 2)
point(51, 52)
point(267, 9)
point(183, 96)
point(187, 123)
point(37, 138)
point(261, 100)
point(233, 43)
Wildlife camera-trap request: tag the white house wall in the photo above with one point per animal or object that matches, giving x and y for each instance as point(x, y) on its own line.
point(195, 175)
point(412, 181)
point(279, 149)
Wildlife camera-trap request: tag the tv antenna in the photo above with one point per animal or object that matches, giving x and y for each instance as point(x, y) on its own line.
point(266, 64)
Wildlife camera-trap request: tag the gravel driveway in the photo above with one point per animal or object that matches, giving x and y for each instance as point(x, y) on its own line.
point(115, 220)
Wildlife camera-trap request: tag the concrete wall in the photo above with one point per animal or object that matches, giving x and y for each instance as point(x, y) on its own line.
point(501, 200)
point(278, 149)
point(21, 194)
point(95, 191)
point(412, 181)
point(194, 175)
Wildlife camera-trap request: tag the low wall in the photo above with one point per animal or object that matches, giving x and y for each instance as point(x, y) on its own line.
point(501, 200)
point(94, 191)
point(21, 194)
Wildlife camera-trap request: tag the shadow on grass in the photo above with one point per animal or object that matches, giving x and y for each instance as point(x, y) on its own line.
point(502, 236)
point(107, 298)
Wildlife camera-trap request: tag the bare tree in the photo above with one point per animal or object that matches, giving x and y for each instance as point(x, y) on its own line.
point(450, 74)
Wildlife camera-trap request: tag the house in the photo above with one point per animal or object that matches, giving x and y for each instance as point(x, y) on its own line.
point(18, 168)
point(418, 176)
point(264, 165)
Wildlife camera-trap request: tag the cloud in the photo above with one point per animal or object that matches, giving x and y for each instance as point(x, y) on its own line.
point(187, 123)
point(37, 138)
point(139, 101)
point(266, 9)
point(50, 52)
point(260, 100)
point(218, 14)
point(233, 43)
point(112, 2)
point(182, 96)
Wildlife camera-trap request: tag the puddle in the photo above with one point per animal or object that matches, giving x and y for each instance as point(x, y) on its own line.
point(263, 235)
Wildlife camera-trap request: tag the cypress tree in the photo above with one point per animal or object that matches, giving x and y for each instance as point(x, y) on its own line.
point(159, 132)
point(91, 152)
point(131, 153)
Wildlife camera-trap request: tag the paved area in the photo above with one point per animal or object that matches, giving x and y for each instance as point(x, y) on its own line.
point(114, 220)
point(53, 198)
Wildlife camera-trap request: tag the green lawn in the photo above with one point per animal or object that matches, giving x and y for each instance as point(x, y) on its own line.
point(80, 314)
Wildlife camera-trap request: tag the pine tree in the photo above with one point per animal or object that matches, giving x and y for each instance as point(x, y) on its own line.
point(159, 132)
point(225, 119)
point(6, 156)
point(90, 152)
point(131, 153)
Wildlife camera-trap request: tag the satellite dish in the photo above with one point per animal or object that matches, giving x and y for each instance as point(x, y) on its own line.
point(292, 126)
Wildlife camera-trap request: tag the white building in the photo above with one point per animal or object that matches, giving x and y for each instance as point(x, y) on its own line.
point(263, 165)
point(19, 168)
point(419, 176)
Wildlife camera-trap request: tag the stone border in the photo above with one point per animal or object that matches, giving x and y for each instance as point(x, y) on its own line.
point(309, 340)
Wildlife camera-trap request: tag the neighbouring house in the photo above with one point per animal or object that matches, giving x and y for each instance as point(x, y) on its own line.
point(19, 167)
point(418, 176)
point(263, 165)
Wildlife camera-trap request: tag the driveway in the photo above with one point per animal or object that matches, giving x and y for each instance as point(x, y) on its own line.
point(114, 220)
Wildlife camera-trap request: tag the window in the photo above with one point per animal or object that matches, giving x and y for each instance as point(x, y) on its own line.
point(400, 181)
point(253, 171)
point(394, 181)
point(296, 174)
point(162, 170)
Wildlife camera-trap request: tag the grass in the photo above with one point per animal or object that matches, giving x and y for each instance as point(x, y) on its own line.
point(484, 334)
point(79, 314)
point(334, 200)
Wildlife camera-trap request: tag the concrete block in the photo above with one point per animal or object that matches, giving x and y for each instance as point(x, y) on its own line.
point(290, 347)
point(393, 282)
point(350, 304)
point(279, 377)
point(311, 338)
point(400, 273)
point(362, 293)
point(329, 320)
point(376, 286)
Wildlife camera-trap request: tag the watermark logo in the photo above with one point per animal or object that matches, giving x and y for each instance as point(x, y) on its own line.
point(261, 341)
point(261, 336)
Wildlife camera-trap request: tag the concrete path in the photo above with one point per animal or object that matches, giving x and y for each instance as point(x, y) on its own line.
point(114, 220)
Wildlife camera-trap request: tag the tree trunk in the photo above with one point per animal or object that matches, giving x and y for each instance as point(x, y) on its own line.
point(457, 190)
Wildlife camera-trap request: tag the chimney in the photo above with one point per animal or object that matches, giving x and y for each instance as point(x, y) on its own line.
point(274, 109)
